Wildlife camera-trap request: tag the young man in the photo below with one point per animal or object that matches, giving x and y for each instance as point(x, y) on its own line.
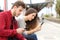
point(8, 25)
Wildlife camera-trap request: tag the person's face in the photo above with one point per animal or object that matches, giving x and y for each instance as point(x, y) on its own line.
point(18, 11)
point(31, 16)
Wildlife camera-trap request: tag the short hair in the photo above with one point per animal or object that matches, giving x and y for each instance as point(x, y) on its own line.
point(19, 3)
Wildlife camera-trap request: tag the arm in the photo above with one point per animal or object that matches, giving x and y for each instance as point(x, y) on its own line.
point(3, 31)
point(8, 32)
point(21, 22)
point(20, 37)
point(34, 30)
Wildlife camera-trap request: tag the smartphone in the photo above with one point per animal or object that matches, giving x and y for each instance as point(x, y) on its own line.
point(42, 23)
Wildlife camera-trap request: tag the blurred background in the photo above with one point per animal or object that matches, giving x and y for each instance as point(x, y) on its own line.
point(47, 9)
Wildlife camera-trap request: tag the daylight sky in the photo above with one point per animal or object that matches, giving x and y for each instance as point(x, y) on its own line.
point(12, 1)
point(9, 3)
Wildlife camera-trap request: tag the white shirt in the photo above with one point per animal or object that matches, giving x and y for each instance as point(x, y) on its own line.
point(20, 20)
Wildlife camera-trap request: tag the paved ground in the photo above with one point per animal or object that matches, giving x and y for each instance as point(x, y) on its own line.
point(49, 31)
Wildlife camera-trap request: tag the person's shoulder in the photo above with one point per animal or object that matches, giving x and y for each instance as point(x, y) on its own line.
point(3, 14)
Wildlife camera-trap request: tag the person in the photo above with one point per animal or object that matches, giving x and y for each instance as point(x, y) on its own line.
point(30, 23)
point(8, 25)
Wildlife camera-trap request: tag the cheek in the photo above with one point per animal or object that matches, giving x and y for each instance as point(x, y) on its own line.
point(17, 12)
point(31, 17)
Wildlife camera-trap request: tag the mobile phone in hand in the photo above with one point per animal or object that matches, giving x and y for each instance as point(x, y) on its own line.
point(42, 23)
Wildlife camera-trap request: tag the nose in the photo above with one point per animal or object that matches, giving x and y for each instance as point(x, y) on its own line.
point(33, 17)
point(19, 13)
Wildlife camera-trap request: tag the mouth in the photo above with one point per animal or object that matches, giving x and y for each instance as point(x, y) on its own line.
point(30, 20)
point(18, 14)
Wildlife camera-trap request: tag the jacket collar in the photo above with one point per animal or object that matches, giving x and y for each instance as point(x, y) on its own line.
point(9, 14)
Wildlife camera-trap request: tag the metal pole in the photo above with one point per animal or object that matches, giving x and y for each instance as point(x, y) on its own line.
point(30, 2)
point(4, 5)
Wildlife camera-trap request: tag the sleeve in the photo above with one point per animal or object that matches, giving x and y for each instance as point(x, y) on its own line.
point(20, 37)
point(21, 22)
point(3, 31)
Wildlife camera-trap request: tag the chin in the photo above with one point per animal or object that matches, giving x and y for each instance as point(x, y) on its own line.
point(29, 20)
point(16, 16)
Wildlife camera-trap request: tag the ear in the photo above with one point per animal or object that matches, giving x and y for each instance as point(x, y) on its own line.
point(15, 7)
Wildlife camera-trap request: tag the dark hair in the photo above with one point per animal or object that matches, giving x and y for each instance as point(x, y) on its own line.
point(19, 3)
point(33, 23)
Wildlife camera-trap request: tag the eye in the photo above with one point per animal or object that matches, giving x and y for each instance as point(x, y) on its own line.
point(20, 10)
point(33, 15)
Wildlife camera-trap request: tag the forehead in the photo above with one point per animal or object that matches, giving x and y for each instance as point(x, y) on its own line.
point(20, 7)
point(32, 14)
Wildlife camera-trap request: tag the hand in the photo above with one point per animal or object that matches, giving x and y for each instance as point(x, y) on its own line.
point(20, 30)
point(25, 39)
point(26, 32)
